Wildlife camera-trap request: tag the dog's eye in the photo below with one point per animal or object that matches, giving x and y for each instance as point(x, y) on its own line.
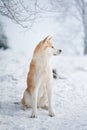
point(52, 47)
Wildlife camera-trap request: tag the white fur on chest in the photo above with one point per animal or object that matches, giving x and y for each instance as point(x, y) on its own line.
point(43, 68)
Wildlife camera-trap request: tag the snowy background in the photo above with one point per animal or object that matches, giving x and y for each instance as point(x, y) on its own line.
point(70, 88)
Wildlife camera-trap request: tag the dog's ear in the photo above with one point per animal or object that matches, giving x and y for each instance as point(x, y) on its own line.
point(47, 38)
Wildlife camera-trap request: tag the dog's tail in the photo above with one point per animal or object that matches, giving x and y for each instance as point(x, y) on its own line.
point(18, 103)
point(54, 73)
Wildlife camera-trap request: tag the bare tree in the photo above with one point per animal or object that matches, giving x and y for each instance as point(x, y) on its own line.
point(76, 8)
point(26, 12)
point(23, 13)
point(81, 6)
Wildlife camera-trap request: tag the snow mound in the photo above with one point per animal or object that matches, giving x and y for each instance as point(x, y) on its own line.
point(70, 94)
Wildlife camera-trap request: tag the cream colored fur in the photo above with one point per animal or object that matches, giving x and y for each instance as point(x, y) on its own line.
point(39, 80)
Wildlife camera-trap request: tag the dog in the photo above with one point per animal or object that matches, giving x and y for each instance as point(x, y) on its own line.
point(39, 79)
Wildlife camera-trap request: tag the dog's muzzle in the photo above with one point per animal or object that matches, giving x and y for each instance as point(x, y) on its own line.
point(57, 52)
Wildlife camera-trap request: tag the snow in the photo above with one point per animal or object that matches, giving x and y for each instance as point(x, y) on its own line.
point(70, 94)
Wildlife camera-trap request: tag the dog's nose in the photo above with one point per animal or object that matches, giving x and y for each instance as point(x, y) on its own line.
point(60, 50)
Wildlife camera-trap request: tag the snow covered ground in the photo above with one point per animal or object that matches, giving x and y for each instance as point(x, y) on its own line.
point(70, 94)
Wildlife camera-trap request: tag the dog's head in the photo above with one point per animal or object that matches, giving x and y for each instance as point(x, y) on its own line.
point(46, 46)
point(49, 47)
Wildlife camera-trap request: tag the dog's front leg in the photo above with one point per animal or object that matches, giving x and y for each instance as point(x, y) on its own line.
point(50, 105)
point(34, 104)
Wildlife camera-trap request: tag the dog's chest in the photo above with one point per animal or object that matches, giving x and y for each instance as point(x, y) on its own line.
point(42, 77)
point(44, 72)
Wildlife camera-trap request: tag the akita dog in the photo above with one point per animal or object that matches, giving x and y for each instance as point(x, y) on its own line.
point(39, 79)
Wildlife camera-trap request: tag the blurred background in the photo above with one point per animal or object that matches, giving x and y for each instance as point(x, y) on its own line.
point(23, 23)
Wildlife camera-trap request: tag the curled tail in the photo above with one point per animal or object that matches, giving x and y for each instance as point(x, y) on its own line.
point(54, 73)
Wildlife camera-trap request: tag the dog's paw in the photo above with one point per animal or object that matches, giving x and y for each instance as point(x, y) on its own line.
point(51, 114)
point(34, 115)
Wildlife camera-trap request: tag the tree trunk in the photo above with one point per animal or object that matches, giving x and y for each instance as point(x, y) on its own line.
point(85, 35)
point(85, 43)
point(85, 30)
